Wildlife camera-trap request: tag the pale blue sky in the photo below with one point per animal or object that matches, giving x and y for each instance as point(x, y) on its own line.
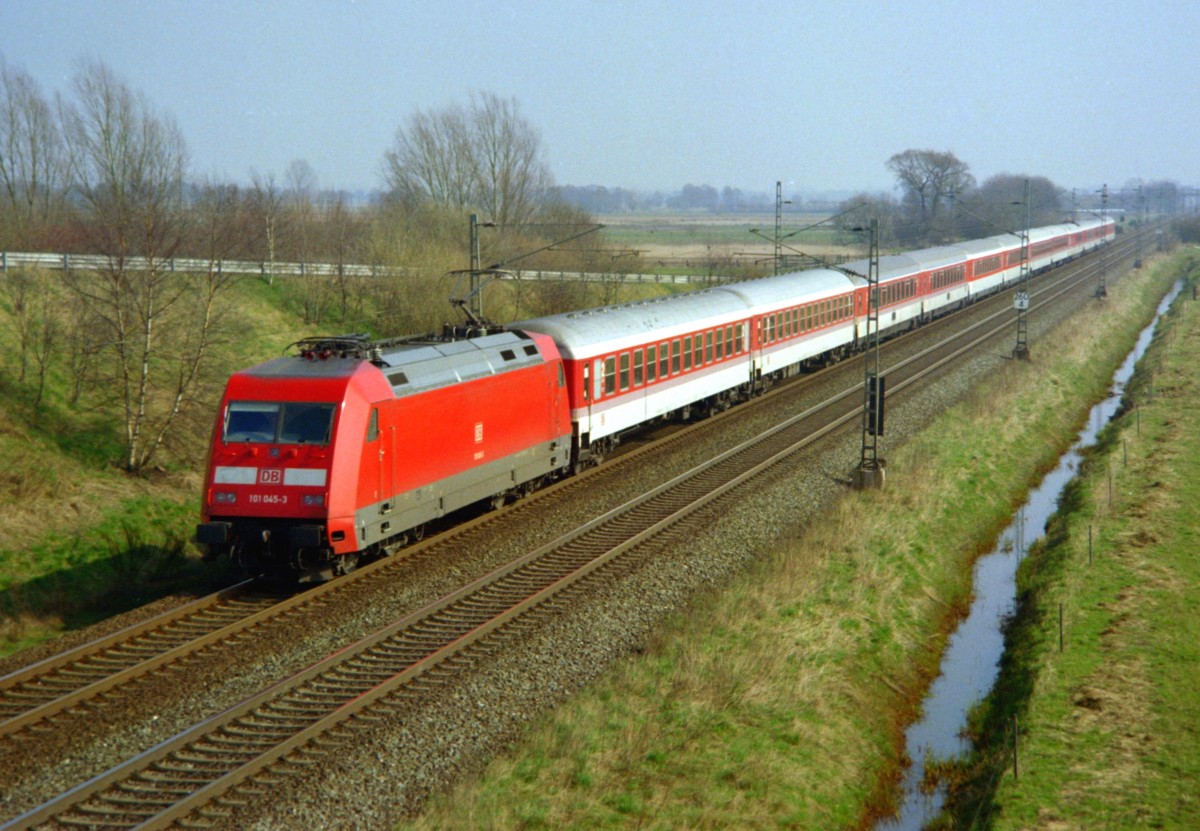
point(650, 95)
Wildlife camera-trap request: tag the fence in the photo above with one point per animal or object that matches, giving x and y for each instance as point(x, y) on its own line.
point(100, 262)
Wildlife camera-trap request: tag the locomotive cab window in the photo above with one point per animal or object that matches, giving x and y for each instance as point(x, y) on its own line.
point(373, 425)
point(273, 423)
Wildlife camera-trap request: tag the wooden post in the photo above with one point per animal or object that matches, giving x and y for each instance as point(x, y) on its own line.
point(1016, 750)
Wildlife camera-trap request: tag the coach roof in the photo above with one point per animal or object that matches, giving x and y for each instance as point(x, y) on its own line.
point(592, 332)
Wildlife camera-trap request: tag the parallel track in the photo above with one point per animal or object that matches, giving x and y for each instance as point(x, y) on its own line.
point(206, 771)
point(33, 695)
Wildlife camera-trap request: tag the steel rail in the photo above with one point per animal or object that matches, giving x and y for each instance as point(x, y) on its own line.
point(34, 694)
point(340, 688)
point(290, 715)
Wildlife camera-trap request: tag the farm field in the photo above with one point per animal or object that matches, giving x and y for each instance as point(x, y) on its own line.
point(691, 236)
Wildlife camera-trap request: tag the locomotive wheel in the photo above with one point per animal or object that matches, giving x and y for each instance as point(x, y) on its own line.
point(417, 532)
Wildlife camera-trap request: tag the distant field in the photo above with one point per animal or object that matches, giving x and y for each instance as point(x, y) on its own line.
point(695, 235)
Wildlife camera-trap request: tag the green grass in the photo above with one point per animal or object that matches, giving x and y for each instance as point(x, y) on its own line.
point(781, 702)
point(75, 529)
point(1109, 724)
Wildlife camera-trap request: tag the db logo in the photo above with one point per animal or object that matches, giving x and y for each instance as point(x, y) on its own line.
point(270, 476)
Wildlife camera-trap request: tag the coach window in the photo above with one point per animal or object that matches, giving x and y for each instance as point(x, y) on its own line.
point(587, 377)
point(610, 375)
point(738, 338)
point(768, 329)
point(687, 353)
point(675, 356)
point(624, 371)
point(663, 357)
point(720, 344)
point(698, 357)
point(708, 347)
point(638, 357)
point(651, 362)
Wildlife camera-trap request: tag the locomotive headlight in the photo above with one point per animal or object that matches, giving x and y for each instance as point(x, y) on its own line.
point(224, 498)
point(314, 499)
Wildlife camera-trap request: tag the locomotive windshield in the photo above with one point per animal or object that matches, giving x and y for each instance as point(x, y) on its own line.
point(289, 423)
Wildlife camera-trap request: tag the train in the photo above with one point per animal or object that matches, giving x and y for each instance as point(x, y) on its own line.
point(350, 446)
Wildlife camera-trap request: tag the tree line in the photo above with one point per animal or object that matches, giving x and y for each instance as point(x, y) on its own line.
point(100, 169)
point(939, 201)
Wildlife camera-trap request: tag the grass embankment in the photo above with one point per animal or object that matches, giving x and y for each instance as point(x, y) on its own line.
point(79, 539)
point(1110, 727)
point(781, 701)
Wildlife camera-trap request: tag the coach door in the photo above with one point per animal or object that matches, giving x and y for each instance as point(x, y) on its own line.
point(758, 331)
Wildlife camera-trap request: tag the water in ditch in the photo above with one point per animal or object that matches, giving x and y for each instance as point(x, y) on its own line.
point(972, 659)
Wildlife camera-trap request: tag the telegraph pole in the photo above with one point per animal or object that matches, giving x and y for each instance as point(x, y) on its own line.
point(475, 295)
point(1141, 214)
point(1021, 298)
point(870, 467)
point(778, 223)
point(1102, 287)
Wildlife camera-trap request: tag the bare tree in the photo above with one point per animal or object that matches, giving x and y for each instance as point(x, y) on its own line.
point(430, 159)
point(268, 204)
point(856, 213)
point(998, 205)
point(128, 163)
point(511, 176)
point(33, 164)
point(929, 178)
point(486, 157)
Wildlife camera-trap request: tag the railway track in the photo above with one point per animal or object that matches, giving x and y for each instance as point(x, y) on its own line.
point(223, 762)
point(32, 696)
point(42, 690)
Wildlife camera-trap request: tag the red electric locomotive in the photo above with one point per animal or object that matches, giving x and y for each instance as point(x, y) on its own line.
point(351, 446)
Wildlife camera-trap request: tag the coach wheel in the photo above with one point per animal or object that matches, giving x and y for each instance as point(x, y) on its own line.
point(346, 564)
point(417, 532)
point(498, 501)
